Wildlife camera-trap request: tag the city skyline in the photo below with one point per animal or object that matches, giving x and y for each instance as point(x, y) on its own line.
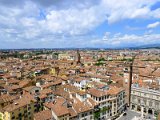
point(79, 23)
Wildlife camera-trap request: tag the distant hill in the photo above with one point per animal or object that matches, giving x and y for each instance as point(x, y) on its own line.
point(148, 46)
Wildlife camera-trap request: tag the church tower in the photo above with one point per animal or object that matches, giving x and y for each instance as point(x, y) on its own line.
point(127, 82)
point(78, 57)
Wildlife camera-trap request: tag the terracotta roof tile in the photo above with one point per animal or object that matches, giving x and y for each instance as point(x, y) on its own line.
point(43, 115)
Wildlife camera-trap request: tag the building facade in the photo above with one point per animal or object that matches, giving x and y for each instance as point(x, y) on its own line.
point(145, 100)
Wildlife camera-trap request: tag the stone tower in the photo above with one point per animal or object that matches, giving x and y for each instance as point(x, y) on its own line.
point(78, 57)
point(127, 82)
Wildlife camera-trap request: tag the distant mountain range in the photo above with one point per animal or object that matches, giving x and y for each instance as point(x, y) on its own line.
point(148, 46)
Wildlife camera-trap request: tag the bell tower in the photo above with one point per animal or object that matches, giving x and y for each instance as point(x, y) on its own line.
point(78, 57)
point(127, 82)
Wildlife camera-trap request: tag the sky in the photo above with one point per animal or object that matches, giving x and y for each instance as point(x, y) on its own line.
point(79, 23)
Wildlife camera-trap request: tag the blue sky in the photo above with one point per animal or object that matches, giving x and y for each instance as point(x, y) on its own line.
point(79, 23)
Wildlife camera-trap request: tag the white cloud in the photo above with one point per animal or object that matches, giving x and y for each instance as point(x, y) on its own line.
point(128, 9)
point(127, 40)
point(156, 13)
point(106, 36)
point(73, 21)
point(153, 25)
point(66, 19)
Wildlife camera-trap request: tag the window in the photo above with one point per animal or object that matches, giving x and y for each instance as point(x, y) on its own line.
point(35, 110)
point(35, 105)
point(139, 94)
point(90, 112)
point(105, 97)
point(144, 101)
point(20, 115)
point(133, 98)
point(84, 96)
point(36, 91)
point(29, 108)
point(157, 104)
point(150, 103)
point(29, 113)
point(103, 113)
point(13, 117)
